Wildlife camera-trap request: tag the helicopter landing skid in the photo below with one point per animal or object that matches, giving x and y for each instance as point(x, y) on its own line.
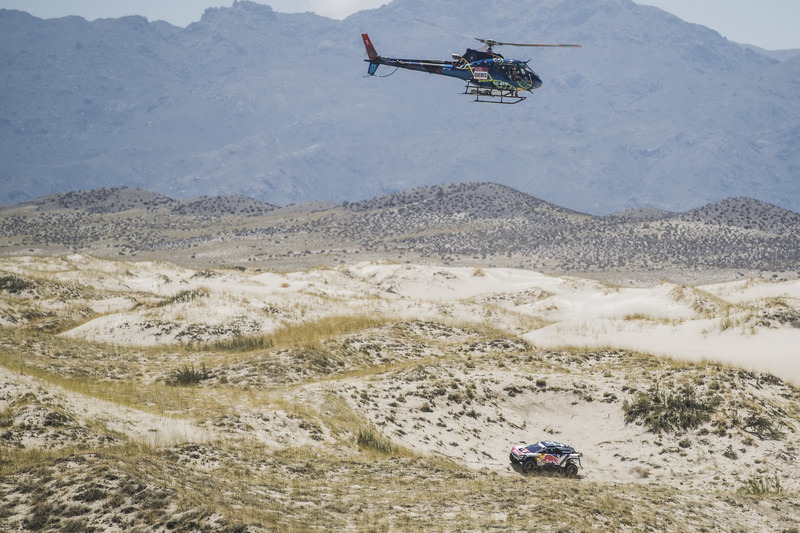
point(493, 96)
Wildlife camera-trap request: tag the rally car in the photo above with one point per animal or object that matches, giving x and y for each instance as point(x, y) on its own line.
point(546, 455)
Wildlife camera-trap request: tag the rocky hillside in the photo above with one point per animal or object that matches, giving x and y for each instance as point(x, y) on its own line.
point(470, 200)
point(481, 224)
point(222, 205)
point(102, 201)
point(748, 214)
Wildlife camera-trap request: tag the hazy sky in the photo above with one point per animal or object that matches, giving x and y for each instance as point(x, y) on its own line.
point(771, 24)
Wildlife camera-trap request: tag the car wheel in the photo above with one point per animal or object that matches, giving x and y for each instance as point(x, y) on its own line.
point(529, 466)
point(571, 469)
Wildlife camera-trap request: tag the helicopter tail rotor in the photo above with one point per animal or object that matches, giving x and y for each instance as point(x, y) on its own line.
point(374, 58)
point(373, 55)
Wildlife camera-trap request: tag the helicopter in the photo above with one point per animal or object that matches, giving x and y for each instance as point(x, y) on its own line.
point(489, 76)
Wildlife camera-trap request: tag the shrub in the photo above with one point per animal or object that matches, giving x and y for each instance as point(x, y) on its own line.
point(762, 427)
point(186, 376)
point(669, 412)
point(183, 297)
point(14, 284)
point(241, 343)
point(761, 486)
point(90, 494)
point(372, 440)
point(730, 453)
point(38, 518)
point(77, 526)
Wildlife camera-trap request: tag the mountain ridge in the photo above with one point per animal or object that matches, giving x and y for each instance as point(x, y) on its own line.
point(487, 199)
point(651, 112)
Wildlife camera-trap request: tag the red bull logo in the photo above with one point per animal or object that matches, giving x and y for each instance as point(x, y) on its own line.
point(548, 459)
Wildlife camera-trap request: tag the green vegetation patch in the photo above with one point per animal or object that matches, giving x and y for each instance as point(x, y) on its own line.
point(761, 486)
point(187, 376)
point(184, 296)
point(668, 412)
point(14, 284)
point(370, 439)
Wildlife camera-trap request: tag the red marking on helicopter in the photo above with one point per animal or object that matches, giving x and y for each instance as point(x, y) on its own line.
point(370, 49)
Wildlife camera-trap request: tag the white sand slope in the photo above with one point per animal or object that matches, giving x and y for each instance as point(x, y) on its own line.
point(750, 325)
point(134, 424)
point(753, 323)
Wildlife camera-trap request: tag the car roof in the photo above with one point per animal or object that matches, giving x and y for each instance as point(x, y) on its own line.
point(554, 444)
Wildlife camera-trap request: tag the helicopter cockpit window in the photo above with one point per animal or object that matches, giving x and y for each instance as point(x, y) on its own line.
point(513, 71)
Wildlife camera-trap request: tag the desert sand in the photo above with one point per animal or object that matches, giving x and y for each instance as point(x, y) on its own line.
point(566, 354)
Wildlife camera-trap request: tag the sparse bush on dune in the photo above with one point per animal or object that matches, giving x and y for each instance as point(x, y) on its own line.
point(668, 412)
point(188, 375)
point(762, 427)
point(370, 439)
point(241, 343)
point(184, 296)
point(14, 284)
point(305, 334)
point(761, 486)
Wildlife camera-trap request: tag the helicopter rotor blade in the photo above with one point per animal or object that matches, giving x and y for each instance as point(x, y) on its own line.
point(491, 42)
point(542, 45)
point(445, 28)
point(488, 42)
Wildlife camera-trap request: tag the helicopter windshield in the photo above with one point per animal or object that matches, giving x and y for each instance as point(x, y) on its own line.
point(517, 69)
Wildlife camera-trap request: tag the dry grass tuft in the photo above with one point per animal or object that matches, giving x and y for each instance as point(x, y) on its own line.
point(309, 334)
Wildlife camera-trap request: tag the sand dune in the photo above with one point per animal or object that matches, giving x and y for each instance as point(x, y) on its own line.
point(448, 363)
point(752, 324)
